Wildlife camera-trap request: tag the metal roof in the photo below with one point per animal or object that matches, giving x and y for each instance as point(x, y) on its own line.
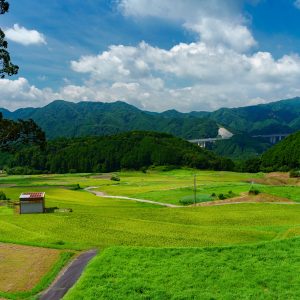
point(34, 195)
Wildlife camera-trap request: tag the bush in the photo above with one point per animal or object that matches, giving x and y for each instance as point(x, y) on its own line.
point(294, 173)
point(115, 178)
point(254, 191)
point(23, 171)
point(144, 170)
point(3, 196)
point(76, 187)
point(222, 197)
point(213, 195)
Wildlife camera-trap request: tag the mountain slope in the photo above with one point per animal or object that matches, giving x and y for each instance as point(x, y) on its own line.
point(276, 117)
point(241, 147)
point(283, 156)
point(68, 119)
point(132, 150)
point(62, 118)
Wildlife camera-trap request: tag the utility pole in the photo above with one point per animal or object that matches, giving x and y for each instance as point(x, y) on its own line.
point(195, 189)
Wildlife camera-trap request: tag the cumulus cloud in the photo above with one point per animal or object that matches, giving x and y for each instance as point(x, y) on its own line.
point(223, 67)
point(24, 36)
point(20, 93)
point(216, 75)
point(216, 21)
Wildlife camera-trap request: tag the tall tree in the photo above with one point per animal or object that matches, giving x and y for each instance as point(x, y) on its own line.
point(6, 66)
point(16, 133)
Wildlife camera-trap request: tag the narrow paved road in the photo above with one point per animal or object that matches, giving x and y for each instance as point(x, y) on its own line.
point(103, 195)
point(68, 277)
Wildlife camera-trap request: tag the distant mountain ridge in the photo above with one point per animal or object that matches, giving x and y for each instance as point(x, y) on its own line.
point(63, 118)
point(67, 119)
point(276, 117)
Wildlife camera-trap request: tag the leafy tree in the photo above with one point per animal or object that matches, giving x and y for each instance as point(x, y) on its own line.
point(6, 66)
point(133, 150)
point(16, 133)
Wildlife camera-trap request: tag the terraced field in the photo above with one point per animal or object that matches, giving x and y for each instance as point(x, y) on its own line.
point(103, 223)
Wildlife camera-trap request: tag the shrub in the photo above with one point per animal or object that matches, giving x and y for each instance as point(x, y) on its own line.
point(115, 178)
point(76, 187)
point(254, 191)
point(144, 170)
point(294, 173)
point(222, 197)
point(3, 196)
point(213, 195)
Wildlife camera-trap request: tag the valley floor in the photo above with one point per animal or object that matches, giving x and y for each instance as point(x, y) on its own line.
point(156, 252)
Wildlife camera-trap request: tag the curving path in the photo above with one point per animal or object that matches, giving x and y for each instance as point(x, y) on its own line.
point(237, 200)
point(68, 277)
point(103, 195)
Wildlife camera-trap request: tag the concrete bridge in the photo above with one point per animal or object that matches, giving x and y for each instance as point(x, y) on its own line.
point(272, 138)
point(203, 142)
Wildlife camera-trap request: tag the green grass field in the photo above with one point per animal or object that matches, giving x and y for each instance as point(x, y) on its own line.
point(107, 223)
point(265, 271)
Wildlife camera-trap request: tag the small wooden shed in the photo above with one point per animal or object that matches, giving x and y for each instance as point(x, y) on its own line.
point(31, 203)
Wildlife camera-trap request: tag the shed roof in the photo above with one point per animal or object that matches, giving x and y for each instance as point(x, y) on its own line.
point(34, 195)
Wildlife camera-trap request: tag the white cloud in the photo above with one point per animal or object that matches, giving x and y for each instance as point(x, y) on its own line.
point(221, 68)
point(19, 93)
point(214, 76)
point(24, 36)
point(217, 22)
point(219, 32)
point(297, 4)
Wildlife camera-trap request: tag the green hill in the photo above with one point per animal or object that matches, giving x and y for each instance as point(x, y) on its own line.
point(283, 156)
point(241, 146)
point(68, 119)
point(132, 150)
point(276, 117)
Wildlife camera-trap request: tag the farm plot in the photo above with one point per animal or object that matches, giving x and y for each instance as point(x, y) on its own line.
point(25, 270)
point(177, 187)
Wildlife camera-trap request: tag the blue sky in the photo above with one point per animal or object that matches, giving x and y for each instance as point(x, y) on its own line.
point(155, 54)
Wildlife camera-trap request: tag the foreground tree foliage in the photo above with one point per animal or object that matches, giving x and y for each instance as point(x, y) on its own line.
point(13, 134)
point(133, 150)
point(6, 66)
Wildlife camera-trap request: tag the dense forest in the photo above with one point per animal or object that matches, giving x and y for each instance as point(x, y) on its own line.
point(68, 119)
point(241, 146)
point(133, 150)
point(284, 156)
point(276, 117)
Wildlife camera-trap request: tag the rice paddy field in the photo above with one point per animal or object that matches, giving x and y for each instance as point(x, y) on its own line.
point(147, 251)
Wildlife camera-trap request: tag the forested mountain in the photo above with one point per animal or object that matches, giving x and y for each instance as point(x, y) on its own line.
point(276, 117)
point(133, 150)
point(241, 146)
point(283, 156)
point(62, 118)
point(68, 119)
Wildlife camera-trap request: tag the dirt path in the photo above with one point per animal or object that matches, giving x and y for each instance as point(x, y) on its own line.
point(103, 195)
point(68, 277)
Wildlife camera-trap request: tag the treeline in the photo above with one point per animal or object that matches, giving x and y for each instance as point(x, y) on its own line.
point(283, 157)
point(133, 150)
